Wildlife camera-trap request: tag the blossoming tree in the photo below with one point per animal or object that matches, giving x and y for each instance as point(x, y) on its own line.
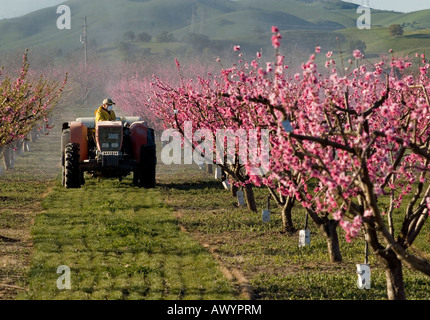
point(25, 103)
point(352, 146)
point(200, 105)
point(362, 136)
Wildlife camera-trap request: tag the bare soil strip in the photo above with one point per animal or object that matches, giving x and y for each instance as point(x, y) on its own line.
point(232, 274)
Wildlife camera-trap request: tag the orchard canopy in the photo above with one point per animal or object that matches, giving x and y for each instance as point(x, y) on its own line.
point(357, 131)
point(25, 103)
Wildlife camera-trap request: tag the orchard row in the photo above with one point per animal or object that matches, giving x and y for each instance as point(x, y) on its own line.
point(341, 139)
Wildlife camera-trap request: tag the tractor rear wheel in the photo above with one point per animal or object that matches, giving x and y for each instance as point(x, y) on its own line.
point(147, 168)
point(72, 174)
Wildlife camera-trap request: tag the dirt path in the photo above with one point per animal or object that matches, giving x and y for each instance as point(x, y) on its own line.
point(22, 190)
point(232, 274)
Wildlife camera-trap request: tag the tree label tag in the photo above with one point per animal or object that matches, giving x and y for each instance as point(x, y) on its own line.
point(226, 185)
point(218, 173)
point(363, 272)
point(240, 198)
point(266, 215)
point(304, 238)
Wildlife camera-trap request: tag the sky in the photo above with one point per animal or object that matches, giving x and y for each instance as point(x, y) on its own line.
point(395, 5)
point(14, 8)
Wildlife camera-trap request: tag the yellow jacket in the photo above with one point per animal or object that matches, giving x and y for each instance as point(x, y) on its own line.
point(104, 115)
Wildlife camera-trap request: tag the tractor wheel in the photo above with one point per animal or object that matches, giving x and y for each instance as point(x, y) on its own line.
point(72, 174)
point(63, 175)
point(136, 174)
point(65, 139)
point(63, 169)
point(148, 163)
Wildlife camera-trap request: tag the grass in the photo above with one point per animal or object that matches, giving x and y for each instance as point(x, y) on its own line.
point(276, 268)
point(130, 246)
point(120, 242)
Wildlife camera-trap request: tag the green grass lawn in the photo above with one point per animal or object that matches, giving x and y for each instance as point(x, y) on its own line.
point(120, 242)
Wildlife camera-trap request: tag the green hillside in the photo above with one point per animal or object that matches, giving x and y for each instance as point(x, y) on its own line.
point(188, 27)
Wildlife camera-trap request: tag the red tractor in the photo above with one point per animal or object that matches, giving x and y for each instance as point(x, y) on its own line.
point(108, 149)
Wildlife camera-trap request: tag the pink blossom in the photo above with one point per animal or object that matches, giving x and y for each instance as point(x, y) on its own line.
point(337, 215)
point(368, 213)
point(275, 29)
point(261, 72)
point(236, 48)
point(357, 54)
point(275, 40)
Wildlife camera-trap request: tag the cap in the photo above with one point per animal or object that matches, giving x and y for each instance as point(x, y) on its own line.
point(108, 102)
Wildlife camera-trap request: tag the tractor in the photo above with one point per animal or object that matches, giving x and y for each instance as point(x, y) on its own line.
point(111, 149)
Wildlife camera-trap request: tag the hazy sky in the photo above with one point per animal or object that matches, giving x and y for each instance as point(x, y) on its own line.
point(13, 8)
point(395, 5)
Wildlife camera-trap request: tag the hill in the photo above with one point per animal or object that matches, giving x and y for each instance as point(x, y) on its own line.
point(189, 27)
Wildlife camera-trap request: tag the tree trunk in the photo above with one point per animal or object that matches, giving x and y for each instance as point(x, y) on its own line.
point(234, 190)
point(394, 275)
point(209, 168)
point(287, 222)
point(393, 266)
point(7, 157)
point(329, 229)
point(250, 199)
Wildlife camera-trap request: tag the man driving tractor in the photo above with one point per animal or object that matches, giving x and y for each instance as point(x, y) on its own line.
point(107, 146)
point(105, 112)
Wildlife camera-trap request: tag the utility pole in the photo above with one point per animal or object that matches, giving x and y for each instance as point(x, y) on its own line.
point(84, 42)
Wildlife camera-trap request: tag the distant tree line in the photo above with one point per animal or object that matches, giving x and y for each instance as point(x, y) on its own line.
point(142, 36)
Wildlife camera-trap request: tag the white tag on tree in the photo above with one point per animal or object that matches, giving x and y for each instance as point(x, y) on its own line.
point(240, 198)
point(286, 124)
point(266, 215)
point(363, 272)
point(226, 185)
point(218, 173)
point(304, 238)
